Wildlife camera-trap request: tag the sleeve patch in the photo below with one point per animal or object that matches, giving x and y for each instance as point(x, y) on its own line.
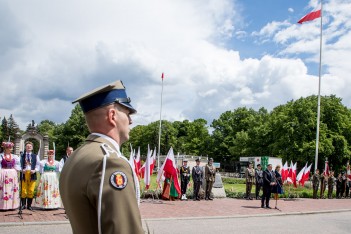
point(118, 180)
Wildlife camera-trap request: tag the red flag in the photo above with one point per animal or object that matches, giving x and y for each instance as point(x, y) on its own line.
point(310, 16)
point(169, 167)
point(137, 163)
point(162, 76)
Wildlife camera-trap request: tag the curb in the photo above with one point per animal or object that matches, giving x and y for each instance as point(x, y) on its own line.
point(187, 218)
point(250, 216)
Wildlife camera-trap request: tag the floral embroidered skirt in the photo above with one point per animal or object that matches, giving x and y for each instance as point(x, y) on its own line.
point(48, 194)
point(9, 192)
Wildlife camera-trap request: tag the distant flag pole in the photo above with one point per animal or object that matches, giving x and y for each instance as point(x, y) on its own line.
point(160, 128)
point(311, 16)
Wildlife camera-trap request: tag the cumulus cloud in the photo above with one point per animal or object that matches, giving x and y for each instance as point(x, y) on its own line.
point(65, 48)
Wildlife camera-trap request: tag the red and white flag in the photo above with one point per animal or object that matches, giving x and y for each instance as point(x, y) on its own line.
point(137, 163)
point(292, 174)
point(310, 16)
point(285, 171)
point(326, 171)
point(299, 176)
point(153, 161)
point(169, 167)
point(146, 169)
point(306, 175)
point(348, 171)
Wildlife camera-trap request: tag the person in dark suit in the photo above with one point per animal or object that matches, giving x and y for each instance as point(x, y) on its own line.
point(268, 182)
point(69, 151)
point(197, 175)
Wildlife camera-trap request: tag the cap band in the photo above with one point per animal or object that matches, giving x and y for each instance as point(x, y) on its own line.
point(105, 98)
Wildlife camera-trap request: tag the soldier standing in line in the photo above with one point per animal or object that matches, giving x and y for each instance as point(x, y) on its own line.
point(315, 183)
point(323, 181)
point(331, 182)
point(258, 180)
point(210, 175)
point(250, 178)
point(184, 177)
point(197, 175)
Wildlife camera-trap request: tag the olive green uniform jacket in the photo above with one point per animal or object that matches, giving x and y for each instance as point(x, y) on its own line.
point(79, 188)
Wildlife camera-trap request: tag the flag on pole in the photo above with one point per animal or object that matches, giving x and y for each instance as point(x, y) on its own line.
point(285, 171)
point(306, 175)
point(310, 16)
point(153, 161)
point(301, 173)
point(348, 171)
point(137, 163)
point(326, 171)
point(162, 76)
point(292, 174)
point(169, 167)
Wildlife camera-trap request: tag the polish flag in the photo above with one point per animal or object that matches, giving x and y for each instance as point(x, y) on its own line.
point(301, 173)
point(310, 16)
point(142, 169)
point(147, 174)
point(326, 169)
point(292, 174)
point(137, 162)
point(162, 76)
point(153, 161)
point(348, 171)
point(169, 167)
point(285, 171)
point(306, 175)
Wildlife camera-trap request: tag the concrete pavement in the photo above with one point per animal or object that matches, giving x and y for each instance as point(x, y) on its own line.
point(216, 212)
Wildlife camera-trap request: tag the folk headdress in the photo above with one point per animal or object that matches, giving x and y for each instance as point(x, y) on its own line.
point(7, 144)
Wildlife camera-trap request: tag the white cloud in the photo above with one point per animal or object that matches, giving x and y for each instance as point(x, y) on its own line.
point(66, 48)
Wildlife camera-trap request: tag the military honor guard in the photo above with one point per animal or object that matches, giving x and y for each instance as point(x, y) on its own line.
point(184, 178)
point(315, 183)
point(250, 179)
point(331, 182)
point(197, 175)
point(210, 176)
point(30, 164)
point(9, 186)
point(323, 180)
point(258, 181)
point(99, 189)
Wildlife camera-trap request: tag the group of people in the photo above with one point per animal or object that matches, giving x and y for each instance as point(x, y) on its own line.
point(268, 180)
point(18, 179)
point(327, 180)
point(197, 173)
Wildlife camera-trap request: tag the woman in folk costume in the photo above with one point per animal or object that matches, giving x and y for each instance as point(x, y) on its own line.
point(10, 164)
point(48, 194)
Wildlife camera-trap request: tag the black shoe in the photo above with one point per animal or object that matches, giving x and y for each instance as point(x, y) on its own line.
point(268, 207)
point(209, 198)
point(250, 198)
point(262, 206)
point(29, 204)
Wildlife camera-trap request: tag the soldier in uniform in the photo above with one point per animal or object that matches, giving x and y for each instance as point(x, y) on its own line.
point(315, 183)
point(331, 182)
point(99, 189)
point(324, 182)
point(210, 175)
point(184, 177)
point(197, 175)
point(250, 178)
point(258, 180)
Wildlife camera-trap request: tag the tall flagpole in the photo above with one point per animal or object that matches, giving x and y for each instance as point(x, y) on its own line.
point(319, 90)
point(159, 133)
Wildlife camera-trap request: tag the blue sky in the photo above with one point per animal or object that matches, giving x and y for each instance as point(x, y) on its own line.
point(217, 55)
